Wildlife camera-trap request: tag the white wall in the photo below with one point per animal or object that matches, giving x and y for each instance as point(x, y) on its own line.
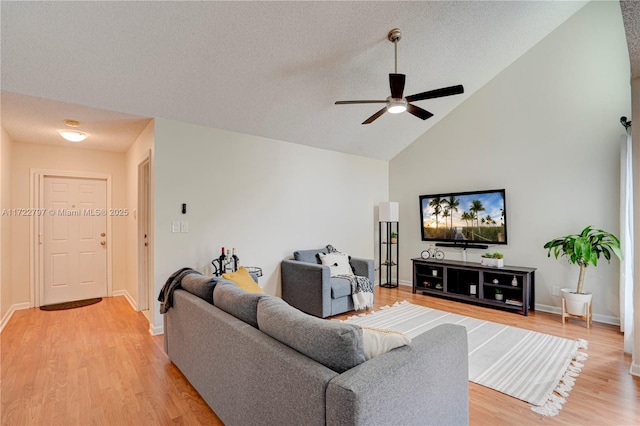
point(5, 228)
point(635, 135)
point(547, 130)
point(137, 153)
point(264, 197)
point(26, 156)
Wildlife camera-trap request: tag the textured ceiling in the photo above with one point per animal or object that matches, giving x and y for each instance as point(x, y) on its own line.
point(271, 69)
point(631, 18)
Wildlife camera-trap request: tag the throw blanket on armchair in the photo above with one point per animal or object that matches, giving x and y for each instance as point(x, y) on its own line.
point(361, 291)
point(361, 287)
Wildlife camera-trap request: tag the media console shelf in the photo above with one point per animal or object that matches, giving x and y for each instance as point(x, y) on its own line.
point(471, 282)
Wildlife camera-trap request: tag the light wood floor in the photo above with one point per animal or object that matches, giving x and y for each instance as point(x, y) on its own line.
point(99, 365)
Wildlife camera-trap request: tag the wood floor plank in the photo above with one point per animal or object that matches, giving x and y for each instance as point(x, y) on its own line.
point(98, 365)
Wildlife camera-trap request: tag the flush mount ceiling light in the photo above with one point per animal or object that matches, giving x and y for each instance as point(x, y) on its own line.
point(72, 135)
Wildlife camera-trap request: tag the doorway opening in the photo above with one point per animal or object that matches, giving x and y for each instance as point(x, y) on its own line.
point(144, 197)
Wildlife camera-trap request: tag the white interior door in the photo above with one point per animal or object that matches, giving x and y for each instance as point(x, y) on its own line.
point(74, 239)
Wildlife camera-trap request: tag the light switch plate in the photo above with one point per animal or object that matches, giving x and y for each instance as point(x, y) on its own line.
point(184, 226)
point(175, 226)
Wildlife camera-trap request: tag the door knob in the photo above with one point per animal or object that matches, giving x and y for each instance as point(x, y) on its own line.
point(103, 243)
point(102, 234)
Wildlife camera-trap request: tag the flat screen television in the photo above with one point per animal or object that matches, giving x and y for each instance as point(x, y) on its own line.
point(464, 218)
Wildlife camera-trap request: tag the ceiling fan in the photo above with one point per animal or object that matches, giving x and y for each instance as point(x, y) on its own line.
point(396, 103)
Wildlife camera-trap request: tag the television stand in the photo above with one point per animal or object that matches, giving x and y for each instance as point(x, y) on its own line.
point(511, 288)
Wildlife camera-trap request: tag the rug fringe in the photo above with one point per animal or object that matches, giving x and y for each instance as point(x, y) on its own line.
point(371, 312)
point(554, 403)
point(550, 408)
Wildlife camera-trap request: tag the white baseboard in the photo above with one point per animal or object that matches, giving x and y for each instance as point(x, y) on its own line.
point(9, 314)
point(634, 370)
point(153, 330)
point(156, 330)
point(127, 296)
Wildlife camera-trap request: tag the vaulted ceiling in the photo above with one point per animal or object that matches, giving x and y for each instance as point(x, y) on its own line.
point(270, 69)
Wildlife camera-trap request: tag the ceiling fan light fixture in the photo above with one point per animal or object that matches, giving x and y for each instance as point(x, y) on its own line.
point(396, 106)
point(72, 136)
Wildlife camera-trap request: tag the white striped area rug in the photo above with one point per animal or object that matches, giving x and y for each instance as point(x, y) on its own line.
point(534, 367)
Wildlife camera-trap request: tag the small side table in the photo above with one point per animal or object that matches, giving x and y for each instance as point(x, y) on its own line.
point(254, 270)
point(588, 314)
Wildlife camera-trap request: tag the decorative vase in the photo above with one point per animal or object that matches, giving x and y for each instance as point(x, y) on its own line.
point(514, 281)
point(576, 303)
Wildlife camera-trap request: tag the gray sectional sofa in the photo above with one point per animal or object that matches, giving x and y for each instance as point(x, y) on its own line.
point(239, 354)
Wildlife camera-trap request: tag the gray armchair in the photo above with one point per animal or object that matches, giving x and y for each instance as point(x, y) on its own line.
point(308, 286)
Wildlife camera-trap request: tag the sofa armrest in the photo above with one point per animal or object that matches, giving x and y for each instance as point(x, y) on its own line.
point(307, 286)
point(363, 267)
point(425, 382)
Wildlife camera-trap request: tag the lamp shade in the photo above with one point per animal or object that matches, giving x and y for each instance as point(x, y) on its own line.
point(389, 212)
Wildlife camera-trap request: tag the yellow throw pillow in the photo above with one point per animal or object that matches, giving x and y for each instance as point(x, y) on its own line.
point(243, 280)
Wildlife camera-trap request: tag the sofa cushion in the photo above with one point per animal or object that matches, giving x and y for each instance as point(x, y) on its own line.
point(337, 262)
point(340, 287)
point(309, 256)
point(243, 279)
point(331, 343)
point(200, 285)
point(378, 341)
point(237, 302)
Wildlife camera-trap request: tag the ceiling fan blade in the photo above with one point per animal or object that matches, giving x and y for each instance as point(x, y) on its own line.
point(418, 112)
point(375, 116)
point(438, 93)
point(360, 102)
point(396, 81)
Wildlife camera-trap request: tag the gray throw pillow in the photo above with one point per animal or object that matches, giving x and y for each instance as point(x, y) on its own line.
point(308, 256)
point(334, 344)
point(237, 302)
point(200, 285)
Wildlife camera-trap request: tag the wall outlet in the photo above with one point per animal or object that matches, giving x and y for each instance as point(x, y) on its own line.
point(555, 291)
point(184, 226)
point(175, 226)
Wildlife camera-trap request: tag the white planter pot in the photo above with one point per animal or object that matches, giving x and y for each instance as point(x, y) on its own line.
point(575, 303)
point(499, 296)
point(494, 263)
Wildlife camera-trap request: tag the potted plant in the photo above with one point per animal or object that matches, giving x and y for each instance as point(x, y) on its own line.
point(583, 249)
point(394, 237)
point(498, 294)
point(495, 260)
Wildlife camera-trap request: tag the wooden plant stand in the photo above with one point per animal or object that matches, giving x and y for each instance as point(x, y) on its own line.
point(588, 316)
